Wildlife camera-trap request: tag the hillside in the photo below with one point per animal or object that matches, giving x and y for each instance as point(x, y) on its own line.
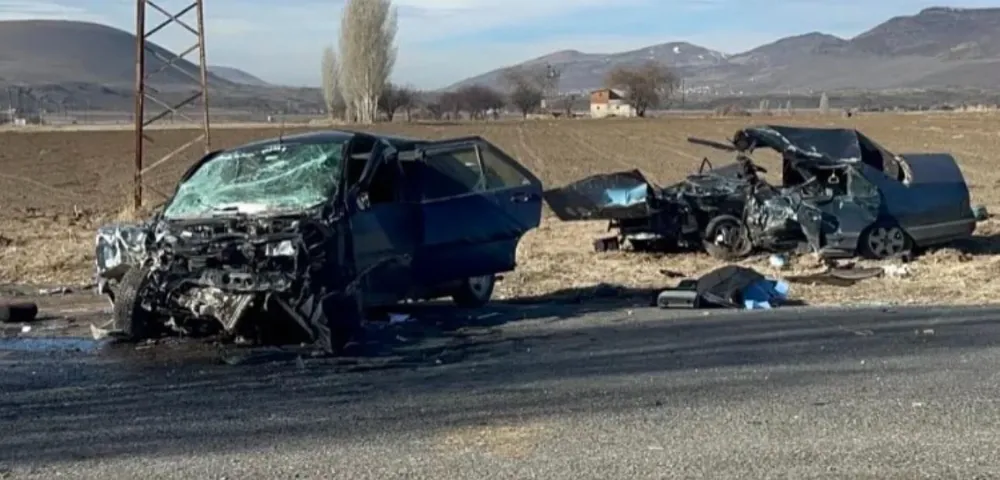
point(935, 48)
point(236, 75)
point(57, 52)
point(57, 65)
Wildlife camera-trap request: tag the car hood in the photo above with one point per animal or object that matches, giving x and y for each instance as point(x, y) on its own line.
point(602, 197)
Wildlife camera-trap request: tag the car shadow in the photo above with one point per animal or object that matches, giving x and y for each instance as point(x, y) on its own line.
point(978, 245)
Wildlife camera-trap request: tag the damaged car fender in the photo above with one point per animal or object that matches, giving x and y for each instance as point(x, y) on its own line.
point(118, 247)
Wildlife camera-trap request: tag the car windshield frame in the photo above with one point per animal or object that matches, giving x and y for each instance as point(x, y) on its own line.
point(279, 176)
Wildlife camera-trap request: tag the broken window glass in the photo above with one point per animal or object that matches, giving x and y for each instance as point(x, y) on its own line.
point(269, 177)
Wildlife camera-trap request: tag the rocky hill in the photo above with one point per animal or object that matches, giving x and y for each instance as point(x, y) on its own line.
point(936, 48)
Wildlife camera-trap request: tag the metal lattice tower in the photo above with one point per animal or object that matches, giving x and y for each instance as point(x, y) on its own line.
point(143, 93)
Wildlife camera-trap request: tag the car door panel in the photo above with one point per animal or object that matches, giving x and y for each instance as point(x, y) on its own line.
point(385, 229)
point(471, 224)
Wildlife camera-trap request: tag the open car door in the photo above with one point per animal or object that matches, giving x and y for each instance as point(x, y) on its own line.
point(476, 204)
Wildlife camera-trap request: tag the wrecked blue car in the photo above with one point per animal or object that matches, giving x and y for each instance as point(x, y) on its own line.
point(841, 195)
point(302, 234)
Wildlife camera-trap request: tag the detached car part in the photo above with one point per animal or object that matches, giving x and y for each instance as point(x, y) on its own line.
point(291, 239)
point(841, 195)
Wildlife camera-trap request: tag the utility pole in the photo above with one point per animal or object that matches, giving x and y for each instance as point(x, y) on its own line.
point(142, 92)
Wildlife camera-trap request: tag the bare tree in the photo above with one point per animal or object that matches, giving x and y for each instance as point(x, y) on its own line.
point(479, 100)
point(526, 89)
point(451, 104)
point(393, 98)
point(645, 86)
point(367, 54)
point(568, 101)
point(824, 104)
point(332, 95)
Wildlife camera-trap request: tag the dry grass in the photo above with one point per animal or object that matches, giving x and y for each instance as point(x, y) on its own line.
point(55, 187)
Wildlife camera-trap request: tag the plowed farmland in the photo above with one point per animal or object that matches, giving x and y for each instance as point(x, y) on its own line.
point(57, 186)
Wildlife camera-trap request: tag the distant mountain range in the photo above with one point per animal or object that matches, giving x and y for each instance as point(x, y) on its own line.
point(57, 65)
point(66, 65)
point(938, 47)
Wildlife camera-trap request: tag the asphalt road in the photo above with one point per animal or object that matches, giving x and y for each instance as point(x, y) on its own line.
point(602, 393)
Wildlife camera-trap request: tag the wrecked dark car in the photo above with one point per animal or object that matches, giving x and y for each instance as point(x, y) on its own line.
point(841, 195)
point(296, 237)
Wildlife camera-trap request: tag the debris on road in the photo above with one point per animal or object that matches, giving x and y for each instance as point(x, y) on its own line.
point(838, 276)
point(731, 286)
point(55, 291)
point(897, 271)
point(841, 195)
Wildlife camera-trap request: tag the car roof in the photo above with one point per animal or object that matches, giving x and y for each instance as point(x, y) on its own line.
point(402, 143)
point(818, 143)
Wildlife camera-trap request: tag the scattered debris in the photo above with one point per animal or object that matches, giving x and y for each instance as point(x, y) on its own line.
point(731, 210)
point(731, 286)
point(671, 273)
point(838, 276)
point(778, 260)
point(980, 212)
point(897, 271)
point(55, 291)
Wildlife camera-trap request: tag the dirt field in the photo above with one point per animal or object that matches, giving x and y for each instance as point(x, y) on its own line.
point(55, 187)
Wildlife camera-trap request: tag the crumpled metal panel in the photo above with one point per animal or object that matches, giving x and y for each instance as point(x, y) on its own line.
point(119, 245)
point(611, 196)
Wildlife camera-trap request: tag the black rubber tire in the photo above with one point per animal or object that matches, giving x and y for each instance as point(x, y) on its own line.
point(739, 251)
point(130, 318)
point(21, 312)
point(902, 243)
point(467, 295)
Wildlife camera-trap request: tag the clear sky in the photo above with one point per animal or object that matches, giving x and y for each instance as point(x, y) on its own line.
point(443, 41)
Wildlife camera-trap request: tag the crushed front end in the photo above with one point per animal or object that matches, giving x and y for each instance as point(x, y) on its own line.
point(253, 277)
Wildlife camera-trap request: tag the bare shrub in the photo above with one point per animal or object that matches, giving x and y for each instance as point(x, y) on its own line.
point(648, 85)
point(394, 98)
point(526, 89)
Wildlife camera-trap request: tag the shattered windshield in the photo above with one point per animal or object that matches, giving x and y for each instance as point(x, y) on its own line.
point(273, 176)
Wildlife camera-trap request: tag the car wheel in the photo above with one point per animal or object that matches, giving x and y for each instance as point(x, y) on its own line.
point(130, 318)
point(474, 292)
point(725, 238)
point(882, 241)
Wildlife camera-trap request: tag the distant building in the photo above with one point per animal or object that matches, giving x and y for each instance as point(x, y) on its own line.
point(608, 102)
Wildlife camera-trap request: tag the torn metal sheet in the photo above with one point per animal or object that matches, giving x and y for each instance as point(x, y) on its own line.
point(602, 197)
point(841, 195)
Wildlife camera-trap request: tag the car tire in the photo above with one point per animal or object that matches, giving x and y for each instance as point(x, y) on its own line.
point(884, 240)
point(729, 226)
point(130, 318)
point(474, 292)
